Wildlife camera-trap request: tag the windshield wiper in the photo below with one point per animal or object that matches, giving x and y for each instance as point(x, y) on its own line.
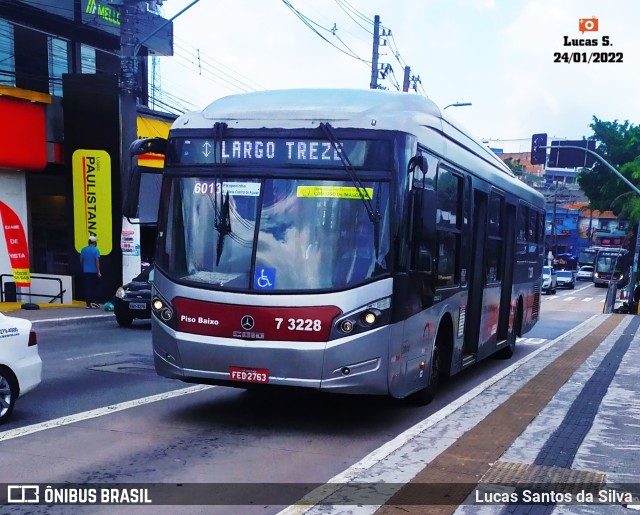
point(222, 222)
point(223, 226)
point(373, 213)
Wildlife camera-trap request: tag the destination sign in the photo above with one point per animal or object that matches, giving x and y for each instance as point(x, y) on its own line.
point(270, 152)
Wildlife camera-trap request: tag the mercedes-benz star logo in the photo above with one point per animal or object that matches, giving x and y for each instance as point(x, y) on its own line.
point(247, 322)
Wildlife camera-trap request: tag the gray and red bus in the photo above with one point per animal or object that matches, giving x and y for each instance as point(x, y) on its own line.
point(350, 241)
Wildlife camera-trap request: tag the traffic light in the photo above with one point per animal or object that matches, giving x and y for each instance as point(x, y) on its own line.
point(538, 149)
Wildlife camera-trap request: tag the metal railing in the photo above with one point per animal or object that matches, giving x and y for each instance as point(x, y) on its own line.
point(3, 289)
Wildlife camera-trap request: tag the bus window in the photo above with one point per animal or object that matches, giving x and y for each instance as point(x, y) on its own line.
point(532, 235)
point(447, 257)
point(493, 263)
point(495, 213)
point(522, 229)
point(425, 176)
point(449, 196)
point(448, 222)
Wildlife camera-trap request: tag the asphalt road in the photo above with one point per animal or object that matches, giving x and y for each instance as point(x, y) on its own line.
point(123, 423)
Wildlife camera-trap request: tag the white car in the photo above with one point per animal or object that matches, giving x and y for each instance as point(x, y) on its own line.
point(549, 280)
point(20, 363)
point(585, 273)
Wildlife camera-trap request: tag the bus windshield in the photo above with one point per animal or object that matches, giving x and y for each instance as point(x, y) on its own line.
point(288, 234)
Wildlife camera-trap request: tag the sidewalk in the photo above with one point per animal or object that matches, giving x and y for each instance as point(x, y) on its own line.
point(55, 314)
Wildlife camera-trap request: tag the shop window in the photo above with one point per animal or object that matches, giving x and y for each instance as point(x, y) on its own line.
point(7, 56)
point(58, 57)
point(87, 59)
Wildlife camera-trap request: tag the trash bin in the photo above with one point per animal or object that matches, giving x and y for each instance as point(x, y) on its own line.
point(10, 292)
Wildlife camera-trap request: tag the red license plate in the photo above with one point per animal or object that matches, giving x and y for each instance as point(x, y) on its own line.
point(249, 375)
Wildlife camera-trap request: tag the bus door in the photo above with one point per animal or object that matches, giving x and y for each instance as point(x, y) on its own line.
point(508, 229)
point(476, 278)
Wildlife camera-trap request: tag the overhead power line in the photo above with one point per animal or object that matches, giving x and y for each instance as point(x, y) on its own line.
point(333, 31)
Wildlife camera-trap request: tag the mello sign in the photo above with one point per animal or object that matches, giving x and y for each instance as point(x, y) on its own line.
point(92, 198)
point(16, 245)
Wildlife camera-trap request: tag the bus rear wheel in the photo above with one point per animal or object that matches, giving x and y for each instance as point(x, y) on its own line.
point(514, 329)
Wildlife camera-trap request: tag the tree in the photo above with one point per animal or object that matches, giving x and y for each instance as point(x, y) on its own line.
point(515, 164)
point(619, 144)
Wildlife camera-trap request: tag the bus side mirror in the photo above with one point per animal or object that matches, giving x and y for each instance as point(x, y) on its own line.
point(132, 195)
point(148, 145)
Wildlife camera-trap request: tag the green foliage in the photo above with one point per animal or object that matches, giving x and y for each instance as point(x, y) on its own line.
point(619, 144)
point(515, 164)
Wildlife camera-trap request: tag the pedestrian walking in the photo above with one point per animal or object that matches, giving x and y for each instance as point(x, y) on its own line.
point(90, 261)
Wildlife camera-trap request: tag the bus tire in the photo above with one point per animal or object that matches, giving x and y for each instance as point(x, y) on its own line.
point(512, 334)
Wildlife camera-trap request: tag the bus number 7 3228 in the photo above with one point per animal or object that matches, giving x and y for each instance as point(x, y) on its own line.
point(339, 240)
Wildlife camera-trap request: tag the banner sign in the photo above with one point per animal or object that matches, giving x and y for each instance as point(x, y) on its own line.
point(92, 212)
point(16, 245)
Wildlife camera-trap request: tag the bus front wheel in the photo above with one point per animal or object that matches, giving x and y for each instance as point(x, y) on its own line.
point(426, 395)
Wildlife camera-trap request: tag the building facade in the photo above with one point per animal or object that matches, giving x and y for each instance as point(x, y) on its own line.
point(59, 97)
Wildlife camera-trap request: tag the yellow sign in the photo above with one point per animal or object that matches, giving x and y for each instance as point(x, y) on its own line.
point(334, 192)
point(92, 214)
point(22, 276)
point(152, 128)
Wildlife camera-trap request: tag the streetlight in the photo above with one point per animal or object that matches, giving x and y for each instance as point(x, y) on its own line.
point(458, 104)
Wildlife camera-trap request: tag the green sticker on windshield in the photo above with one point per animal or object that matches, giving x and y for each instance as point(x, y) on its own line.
point(334, 192)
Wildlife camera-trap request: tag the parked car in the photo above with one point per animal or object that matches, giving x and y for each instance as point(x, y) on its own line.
point(133, 300)
point(549, 280)
point(585, 273)
point(566, 279)
point(20, 363)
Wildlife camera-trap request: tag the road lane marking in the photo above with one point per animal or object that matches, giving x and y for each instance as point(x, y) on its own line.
point(561, 296)
point(567, 299)
point(93, 355)
point(99, 412)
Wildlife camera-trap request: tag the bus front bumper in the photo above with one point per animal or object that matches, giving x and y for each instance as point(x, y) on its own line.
point(356, 364)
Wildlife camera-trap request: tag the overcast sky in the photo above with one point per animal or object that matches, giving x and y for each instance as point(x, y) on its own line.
point(497, 54)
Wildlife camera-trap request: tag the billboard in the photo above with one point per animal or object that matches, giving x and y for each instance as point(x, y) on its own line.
point(17, 245)
point(103, 15)
point(92, 214)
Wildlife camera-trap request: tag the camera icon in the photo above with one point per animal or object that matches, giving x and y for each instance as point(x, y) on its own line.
point(588, 24)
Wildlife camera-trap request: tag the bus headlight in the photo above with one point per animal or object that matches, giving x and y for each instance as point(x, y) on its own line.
point(370, 317)
point(162, 309)
point(346, 326)
point(363, 319)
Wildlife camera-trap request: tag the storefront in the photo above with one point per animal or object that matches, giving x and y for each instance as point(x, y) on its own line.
point(23, 150)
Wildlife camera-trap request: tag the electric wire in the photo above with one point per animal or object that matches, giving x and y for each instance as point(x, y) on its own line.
point(312, 25)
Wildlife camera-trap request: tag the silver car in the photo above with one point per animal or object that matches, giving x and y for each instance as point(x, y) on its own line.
point(549, 280)
point(585, 273)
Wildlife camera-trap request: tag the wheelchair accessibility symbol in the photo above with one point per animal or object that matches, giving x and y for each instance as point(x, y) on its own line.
point(264, 278)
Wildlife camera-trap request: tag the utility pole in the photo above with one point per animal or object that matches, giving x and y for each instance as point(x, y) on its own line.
point(129, 93)
point(128, 87)
point(407, 79)
point(374, 58)
point(554, 245)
